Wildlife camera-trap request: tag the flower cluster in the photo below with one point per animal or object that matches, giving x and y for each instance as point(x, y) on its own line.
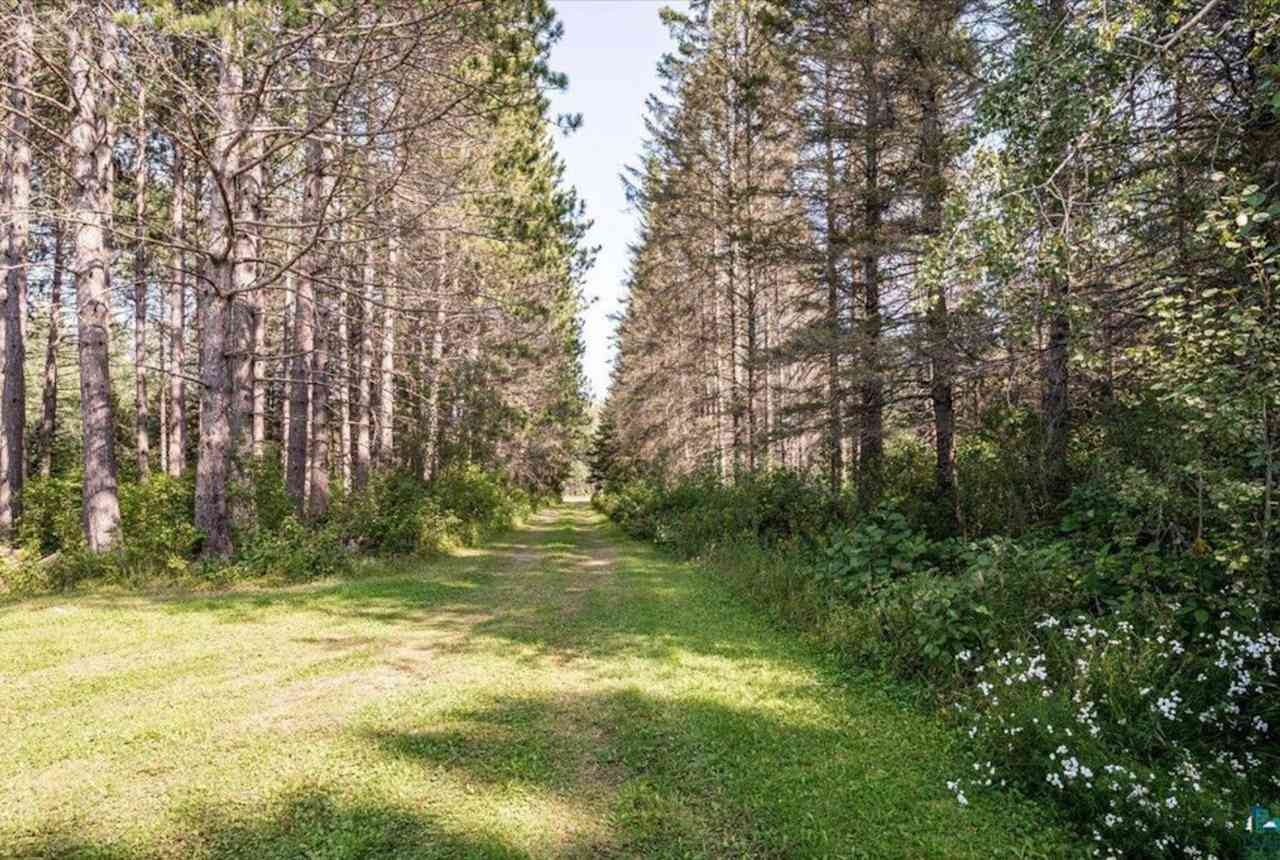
point(1154, 742)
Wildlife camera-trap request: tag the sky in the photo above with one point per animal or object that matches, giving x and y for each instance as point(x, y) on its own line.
point(609, 51)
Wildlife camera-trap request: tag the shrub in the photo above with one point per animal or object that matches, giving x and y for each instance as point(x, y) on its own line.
point(385, 517)
point(52, 511)
point(157, 536)
point(1154, 743)
point(263, 491)
point(398, 514)
point(483, 501)
point(698, 513)
point(293, 551)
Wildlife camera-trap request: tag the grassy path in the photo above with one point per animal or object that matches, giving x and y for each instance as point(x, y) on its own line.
point(564, 692)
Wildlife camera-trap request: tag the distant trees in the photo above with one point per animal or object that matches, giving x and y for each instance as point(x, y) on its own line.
point(964, 224)
point(363, 201)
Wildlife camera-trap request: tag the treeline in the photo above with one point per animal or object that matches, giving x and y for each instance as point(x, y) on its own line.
point(952, 339)
point(329, 237)
point(1036, 236)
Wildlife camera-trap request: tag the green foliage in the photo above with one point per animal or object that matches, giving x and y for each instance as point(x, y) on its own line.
point(398, 514)
point(158, 538)
point(385, 517)
point(263, 491)
point(701, 512)
point(882, 546)
point(1186, 631)
point(52, 510)
point(484, 502)
point(292, 550)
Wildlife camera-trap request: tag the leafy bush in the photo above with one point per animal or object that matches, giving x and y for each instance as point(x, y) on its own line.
point(395, 514)
point(263, 491)
point(293, 551)
point(157, 536)
point(701, 512)
point(52, 512)
point(484, 502)
point(385, 517)
point(1155, 743)
point(398, 514)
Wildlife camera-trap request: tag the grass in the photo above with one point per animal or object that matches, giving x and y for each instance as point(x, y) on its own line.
point(564, 692)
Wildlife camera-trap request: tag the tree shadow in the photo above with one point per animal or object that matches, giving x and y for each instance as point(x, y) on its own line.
point(312, 822)
point(695, 777)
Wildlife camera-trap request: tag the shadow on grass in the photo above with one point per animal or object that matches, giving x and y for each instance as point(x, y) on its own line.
point(309, 823)
point(695, 777)
point(660, 777)
point(560, 593)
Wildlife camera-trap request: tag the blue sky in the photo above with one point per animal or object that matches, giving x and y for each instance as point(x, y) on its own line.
point(609, 51)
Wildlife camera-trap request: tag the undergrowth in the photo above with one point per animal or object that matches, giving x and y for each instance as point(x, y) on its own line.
point(394, 514)
point(1091, 659)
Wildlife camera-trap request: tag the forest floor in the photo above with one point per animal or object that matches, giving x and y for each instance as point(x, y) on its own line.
point(562, 692)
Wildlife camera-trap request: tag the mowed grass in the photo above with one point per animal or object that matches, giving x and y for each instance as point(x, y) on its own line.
point(564, 692)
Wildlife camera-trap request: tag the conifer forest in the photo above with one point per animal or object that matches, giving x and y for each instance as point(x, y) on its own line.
point(934, 498)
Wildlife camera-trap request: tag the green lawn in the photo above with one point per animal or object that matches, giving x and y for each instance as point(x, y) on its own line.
point(564, 692)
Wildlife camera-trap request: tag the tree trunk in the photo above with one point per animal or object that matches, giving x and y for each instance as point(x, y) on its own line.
point(300, 391)
point(835, 417)
point(315, 197)
point(1054, 368)
point(318, 494)
point(245, 304)
point(141, 418)
point(91, 81)
point(12, 432)
point(431, 452)
point(177, 414)
point(1054, 403)
point(871, 442)
point(387, 390)
point(218, 328)
point(938, 321)
point(49, 412)
point(285, 368)
point(344, 392)
point(213, 462)
point(364, 445)
point(258, 337)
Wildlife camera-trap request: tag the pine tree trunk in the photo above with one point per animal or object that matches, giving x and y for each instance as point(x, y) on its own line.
point(177, 414)
point(91, 81)
point(141, 418)
point(213, 462)
point(300, 391)
point(1054, 361)
point(942, 361)
point(344, 393)
point(13, 306)
point(387, 390)
point(49, 411)
point(315, 194)
point(1054, 403)
point(364, 444)
point(285, 368)
point(218, 323)
point(835, 404)
point(871, 442)
point(318, 494)
point(258, 303)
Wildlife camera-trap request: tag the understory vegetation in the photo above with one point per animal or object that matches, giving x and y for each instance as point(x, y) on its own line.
point(396, 513)
point(1089, 659)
